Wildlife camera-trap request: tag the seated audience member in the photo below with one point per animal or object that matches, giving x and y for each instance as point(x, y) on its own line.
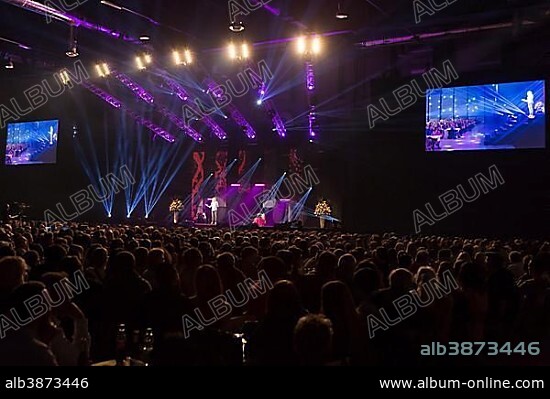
point(516, 266)
point(271, 342)
point(71, 342)
point(337, 305)
point(313, 340)
point(27, 345)
point(13, 271)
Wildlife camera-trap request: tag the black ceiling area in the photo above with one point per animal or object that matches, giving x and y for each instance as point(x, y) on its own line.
point(203, 25)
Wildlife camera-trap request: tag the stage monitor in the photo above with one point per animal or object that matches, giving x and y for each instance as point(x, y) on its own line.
point(32, 143)
point(498, 116)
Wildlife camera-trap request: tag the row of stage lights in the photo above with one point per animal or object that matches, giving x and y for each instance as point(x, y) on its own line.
point(305, 45)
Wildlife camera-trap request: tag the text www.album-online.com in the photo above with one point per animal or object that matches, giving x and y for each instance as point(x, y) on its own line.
point(484, 383)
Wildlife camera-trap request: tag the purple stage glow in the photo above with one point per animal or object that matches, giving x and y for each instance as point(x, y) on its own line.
point(272, 10)
point(310, 85)
point(242, 122)
point(70, 19)
point(178, 90)
point(233, 111)
point(109, 99)
point(310, 76)
point(312, 118)
point(139, 91)
point(184, 96)
point(180, 123)
point(151, 126)
point(276, 118)
point(144, 95)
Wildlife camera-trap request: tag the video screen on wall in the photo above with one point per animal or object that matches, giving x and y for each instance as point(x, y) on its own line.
point(32, 143)
point(498, 116)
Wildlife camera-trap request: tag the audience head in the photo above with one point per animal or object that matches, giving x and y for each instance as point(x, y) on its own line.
point(13, 271)
point(313, 339)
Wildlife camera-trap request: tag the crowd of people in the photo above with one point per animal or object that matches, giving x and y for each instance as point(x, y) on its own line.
point(449, 128)
point(318, 293)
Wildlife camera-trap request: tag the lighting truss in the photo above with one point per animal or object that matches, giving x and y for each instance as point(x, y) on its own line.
point(184, 96)
point(236, 115)
point(114, 102)
point(144, 95)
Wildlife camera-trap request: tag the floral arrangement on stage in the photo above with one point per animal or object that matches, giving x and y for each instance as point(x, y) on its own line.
point(176, 206)
point(323, 209)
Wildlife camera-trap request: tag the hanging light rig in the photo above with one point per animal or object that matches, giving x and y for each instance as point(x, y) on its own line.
point(72, 51)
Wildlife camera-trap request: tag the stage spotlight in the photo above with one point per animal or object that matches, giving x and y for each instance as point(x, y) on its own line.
point(8, 64)
point(184, 58)
point(244, 51)
point(241, 52)
point(65, 79)
point(341, 14)
point(103, 70)
point(316, 45)
point(232, 51)
point(259, 102)
point(236, 27)
point(109, 216)
point(72, 52)
point(112, 5)
point(308, 45)
point(301, 45)
point(139, 63)
point(144, 38)
point(143, 60)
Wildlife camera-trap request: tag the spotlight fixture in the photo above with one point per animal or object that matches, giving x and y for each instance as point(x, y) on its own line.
point(103, 70)
point(112, 5)
point(72, 52)
point(244, 51)
point(143, 60)
point(309, 45)
point(144, 38)
point(236, 27)
point(185, 58)
point(341, 14)
point(65, 79)
point(241, 52)
point(8, 64)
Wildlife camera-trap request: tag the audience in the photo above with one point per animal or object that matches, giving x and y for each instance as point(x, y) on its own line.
point(263, 297)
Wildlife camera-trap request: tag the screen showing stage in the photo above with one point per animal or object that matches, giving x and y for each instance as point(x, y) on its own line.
point(499, 116)
point(32, 143)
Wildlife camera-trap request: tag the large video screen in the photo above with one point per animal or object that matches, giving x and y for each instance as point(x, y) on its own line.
point(499, 116)
point(32, 143)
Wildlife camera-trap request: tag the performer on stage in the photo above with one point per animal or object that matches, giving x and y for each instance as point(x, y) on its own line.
point(260, 220)
point(530, 100)
point(214, 205)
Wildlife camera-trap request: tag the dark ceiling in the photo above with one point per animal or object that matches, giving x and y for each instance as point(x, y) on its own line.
point(203, 24)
